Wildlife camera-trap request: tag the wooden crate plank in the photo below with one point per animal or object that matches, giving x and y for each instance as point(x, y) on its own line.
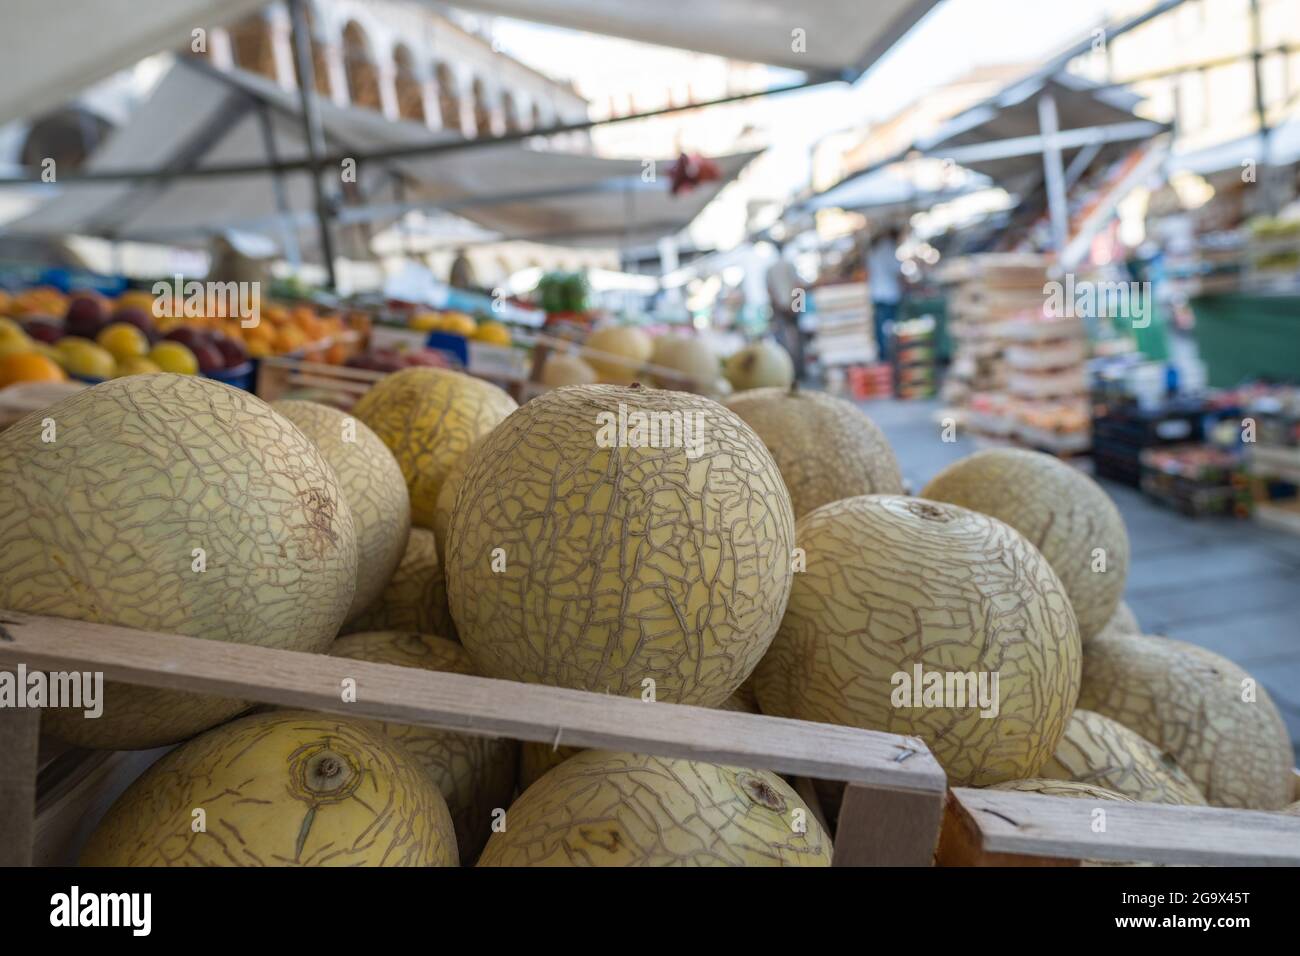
point(880, 826)
point(1028, 824)
point(474, 705)
point(961, 844)
point(19, 735)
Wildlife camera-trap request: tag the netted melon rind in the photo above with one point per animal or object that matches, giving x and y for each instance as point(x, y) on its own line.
point(1103, 752)
point(372, 484)
point(177, 504)
point(1188, 701)
point(894, 582)
point(248, 777)
point(827, 448)
point(600, 568)
point(1063, 512)
point(613, 809)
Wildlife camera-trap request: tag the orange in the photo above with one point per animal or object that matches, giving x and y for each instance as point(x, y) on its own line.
point(29, 367)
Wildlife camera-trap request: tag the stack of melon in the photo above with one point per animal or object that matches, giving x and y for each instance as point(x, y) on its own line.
point(773, 562)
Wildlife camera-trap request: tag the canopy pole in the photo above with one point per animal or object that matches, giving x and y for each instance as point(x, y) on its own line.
point(287, 232)
point(314, 130)
point(1053, 170)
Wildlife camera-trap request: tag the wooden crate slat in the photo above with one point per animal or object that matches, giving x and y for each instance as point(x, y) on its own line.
point(888, 827)
point(1034, 825)
point(19, 735)
point(473, 705)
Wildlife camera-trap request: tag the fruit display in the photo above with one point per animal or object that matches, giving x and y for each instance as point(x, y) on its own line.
point(1202, 709)
point(428, 418)
point(476, 775)
point(372, 485)
point(1100, 751)
point(175, 335)
point(415, 597)
point(897, 587)
point(614, 809)
point(827, 449)
point(174, 504)
point(763, 364)
point(581, 556)
point(1066, 514)
point(286, 788)
point(617, 352)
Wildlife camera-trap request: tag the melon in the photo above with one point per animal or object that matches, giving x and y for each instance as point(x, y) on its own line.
point(428, 417)
point(760, 365)
point(691, 356)
point(176, 504)
point(1100, 751)
point(1063, 788)
point(415, 597)
point(1189, 702)
point(447, 499)
point(476, 775)
point(283, 788)
point(536, 758)
point(899, 593)
point(581, 556)
point(559, 370)
point(600, 808)
point(373, 485)
point(1123, 621)
point(1061, 510)
point(617, 353)
point(827, 449)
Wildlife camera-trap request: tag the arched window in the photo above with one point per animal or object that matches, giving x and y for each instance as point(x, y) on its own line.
point(482, 112)
point(448, 97)
point(252, 46)
point(359, 66)
point(537, 117)
point(512, 115)
point(410, 97)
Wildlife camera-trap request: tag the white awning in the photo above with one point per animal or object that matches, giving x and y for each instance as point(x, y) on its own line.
point(839, 37)
point(200, 118)
point(51, 51)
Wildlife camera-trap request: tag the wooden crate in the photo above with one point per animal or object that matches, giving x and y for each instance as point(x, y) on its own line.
point(895, 802)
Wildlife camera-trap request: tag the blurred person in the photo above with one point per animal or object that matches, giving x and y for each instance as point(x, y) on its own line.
point(885, 284)
point(782, 281)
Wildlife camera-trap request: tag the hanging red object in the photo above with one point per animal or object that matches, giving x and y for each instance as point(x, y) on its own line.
point(690, 171)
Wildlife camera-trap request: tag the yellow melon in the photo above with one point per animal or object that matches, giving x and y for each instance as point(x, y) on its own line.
point(582, 556)
point(614, 809)
point(900, 593)
point(428, 417)
point(176, 504)
point(284, 788)
point(372, 484)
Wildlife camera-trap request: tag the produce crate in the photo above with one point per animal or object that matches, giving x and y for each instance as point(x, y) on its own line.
point(895, 801)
